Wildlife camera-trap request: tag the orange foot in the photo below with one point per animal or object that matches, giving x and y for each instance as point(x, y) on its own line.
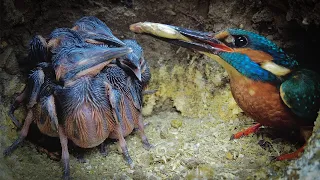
point(246, 132)
point(291, 156)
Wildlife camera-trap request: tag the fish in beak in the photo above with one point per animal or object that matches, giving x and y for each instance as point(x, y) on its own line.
point(204, 42)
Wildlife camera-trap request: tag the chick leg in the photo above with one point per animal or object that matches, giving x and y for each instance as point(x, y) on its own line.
point(123, 146)
point(115, 98)
point(143, 136)
point(23, 134)
point(35, 81)
point(102, 149)
point(15, 105)
point(65, 153)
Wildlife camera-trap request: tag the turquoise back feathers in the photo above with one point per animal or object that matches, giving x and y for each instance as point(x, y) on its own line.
point(301, 93)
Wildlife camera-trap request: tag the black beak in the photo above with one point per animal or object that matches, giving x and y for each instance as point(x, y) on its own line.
point(201, 41)
point(130, 67)
point(91, 60)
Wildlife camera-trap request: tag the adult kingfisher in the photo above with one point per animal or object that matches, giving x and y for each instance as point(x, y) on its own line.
point(267, 84)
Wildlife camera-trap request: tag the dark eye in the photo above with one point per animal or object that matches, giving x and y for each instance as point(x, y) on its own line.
point(129, 64)
point(240, 41)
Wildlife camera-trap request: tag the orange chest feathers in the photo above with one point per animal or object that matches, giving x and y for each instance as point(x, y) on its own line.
point(262, 102)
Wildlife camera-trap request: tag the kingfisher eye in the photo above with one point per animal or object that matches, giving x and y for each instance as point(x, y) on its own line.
point(240, 41)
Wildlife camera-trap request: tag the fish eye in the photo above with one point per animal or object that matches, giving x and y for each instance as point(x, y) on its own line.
point(240, 41)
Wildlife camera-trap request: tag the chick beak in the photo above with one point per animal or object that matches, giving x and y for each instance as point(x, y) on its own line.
point(89, 62)
point(137, 72)
point(135, 69)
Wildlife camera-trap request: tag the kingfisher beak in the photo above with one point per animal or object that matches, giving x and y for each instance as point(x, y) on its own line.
point(200, 41)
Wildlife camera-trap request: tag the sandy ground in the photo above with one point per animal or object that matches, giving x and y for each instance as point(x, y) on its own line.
point(184, 148)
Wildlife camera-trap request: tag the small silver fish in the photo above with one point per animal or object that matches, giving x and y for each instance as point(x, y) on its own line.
point(157, 29)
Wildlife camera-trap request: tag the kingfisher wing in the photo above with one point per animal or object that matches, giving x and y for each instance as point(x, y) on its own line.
point(301, 93)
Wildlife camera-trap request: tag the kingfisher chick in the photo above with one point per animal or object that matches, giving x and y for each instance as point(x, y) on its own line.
point(267, 84)
point(96, 32)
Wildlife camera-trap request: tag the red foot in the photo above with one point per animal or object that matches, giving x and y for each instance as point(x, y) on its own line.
point(246, 132)
point(291, 156)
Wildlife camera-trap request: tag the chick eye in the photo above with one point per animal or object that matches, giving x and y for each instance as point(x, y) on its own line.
point(240, 41)
point(129, 64)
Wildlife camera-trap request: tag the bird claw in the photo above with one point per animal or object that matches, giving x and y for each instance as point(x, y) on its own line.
point(147, 92)
point(66, 171)
point(232, 137)
point(13, 107)
point(129, 161)
point(147, 146)
point(15, 121)
point(103, 150)
point(266, 145)
point(131, 165)
point(104, 154)
point(81, 159)
point(127, 157)
point(13, 146)
point(7, 152)
point(144, 126)
point(273, 158)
